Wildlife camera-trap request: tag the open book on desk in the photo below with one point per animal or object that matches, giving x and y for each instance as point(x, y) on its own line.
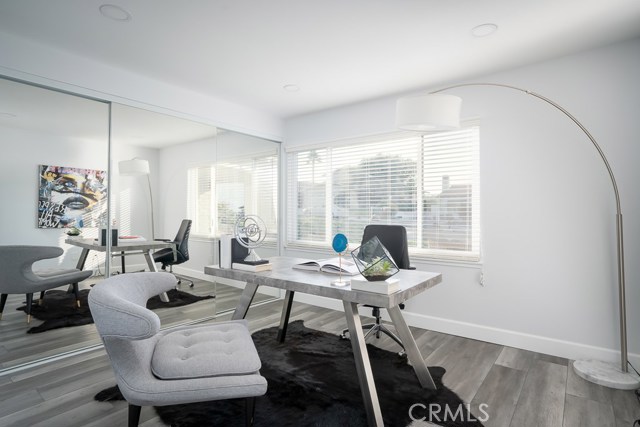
point(331, 265)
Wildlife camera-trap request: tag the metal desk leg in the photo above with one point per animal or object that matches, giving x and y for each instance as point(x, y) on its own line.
point(83, 259)
point(411, 348)
point(80, 265)
point(152, 267)
point(363, 366)
point(245, 301)
point(286, 312)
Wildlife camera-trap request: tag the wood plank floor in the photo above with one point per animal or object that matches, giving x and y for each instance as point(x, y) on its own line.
point(517, 388)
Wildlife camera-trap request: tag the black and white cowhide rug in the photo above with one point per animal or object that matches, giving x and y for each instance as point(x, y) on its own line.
point(312, 381)
point(59, 310)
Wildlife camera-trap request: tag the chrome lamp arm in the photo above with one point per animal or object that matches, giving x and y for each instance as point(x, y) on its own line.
point(412, 108)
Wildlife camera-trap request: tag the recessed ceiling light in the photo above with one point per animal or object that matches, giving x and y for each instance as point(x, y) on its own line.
point(115, 13)
point(291, 88)
point(484, 30)
point(7, 115)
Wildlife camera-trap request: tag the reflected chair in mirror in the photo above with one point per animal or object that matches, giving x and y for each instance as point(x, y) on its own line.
point(166, 256)
point(180, 365)
point(394, 238)
point(18, 277)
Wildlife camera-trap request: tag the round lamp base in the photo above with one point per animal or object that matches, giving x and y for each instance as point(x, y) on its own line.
point(340, 283)
point(606, 374)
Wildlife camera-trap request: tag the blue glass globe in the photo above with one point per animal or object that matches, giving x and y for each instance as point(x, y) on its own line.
point(340, 243)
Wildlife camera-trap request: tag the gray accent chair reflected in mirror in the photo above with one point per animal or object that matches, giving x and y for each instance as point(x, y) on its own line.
point(18, 277)
point(180, 365)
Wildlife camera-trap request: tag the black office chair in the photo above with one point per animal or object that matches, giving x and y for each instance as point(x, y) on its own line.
point(394, 238)
point(166, 256)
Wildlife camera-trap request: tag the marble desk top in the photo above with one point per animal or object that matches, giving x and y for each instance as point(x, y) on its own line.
point(283, 276)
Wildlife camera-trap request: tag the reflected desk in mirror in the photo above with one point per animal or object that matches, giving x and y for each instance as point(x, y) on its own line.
point(122, 249)
point(283, 276)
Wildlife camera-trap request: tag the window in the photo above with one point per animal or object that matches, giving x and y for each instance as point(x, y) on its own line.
point(428, 183)
point(219, 194)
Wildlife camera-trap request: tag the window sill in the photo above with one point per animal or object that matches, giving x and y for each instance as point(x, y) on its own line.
point(212, 239)
point(416, 258)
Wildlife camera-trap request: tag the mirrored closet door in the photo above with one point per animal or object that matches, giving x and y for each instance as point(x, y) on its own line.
point(54, 177)
point(163, 171)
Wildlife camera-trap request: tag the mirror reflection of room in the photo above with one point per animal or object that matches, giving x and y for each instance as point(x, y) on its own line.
point(54, 174)
point(175, 197)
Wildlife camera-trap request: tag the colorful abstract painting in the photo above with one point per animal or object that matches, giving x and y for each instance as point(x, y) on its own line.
point(71, 197)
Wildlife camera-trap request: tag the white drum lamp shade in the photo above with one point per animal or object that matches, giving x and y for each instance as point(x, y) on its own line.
point(428, 112)
point(134, 167)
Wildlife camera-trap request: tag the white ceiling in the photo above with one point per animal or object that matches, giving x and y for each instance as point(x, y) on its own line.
point(337, 51)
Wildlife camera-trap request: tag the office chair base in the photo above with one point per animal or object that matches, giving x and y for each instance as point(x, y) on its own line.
point(180, 278)
point(377, 329)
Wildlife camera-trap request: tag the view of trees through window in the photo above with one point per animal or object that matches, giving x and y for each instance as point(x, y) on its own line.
point(427, 183)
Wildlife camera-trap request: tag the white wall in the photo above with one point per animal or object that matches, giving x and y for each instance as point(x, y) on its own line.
point(24, 59)
point(548, 213)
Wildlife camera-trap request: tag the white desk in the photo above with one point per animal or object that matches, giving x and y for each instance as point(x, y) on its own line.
point(122, 249)
point(412, 282)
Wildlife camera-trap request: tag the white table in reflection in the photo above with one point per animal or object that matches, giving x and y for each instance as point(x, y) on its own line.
point(122, 249)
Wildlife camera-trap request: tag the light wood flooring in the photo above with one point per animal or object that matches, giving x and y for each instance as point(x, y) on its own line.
point(521, 388)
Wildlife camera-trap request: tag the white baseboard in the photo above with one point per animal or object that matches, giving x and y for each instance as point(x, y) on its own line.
point(555, 347)
point(567, 349)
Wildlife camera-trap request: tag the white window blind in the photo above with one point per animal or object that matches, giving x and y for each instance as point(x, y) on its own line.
point(219, 194)
point(200, 199)
point(428, 183)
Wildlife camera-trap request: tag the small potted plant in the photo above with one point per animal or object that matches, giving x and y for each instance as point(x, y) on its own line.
point(73, 232)
point(379, 269)
point(374, 261)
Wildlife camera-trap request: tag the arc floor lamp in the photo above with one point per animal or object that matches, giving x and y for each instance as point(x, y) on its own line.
point(436, 111)
point(139, 167)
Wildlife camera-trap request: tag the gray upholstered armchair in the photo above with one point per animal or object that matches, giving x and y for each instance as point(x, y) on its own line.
point(181, 365)
point(17, 275)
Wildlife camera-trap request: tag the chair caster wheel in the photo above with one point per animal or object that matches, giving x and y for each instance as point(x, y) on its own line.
point(343, 336)
point(191, 285)
point(402, 353)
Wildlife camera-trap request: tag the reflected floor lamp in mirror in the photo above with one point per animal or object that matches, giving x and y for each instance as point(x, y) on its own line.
point(436, 111)
point(139, 167)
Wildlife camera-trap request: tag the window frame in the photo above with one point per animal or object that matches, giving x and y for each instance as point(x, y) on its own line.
point(473, 256)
